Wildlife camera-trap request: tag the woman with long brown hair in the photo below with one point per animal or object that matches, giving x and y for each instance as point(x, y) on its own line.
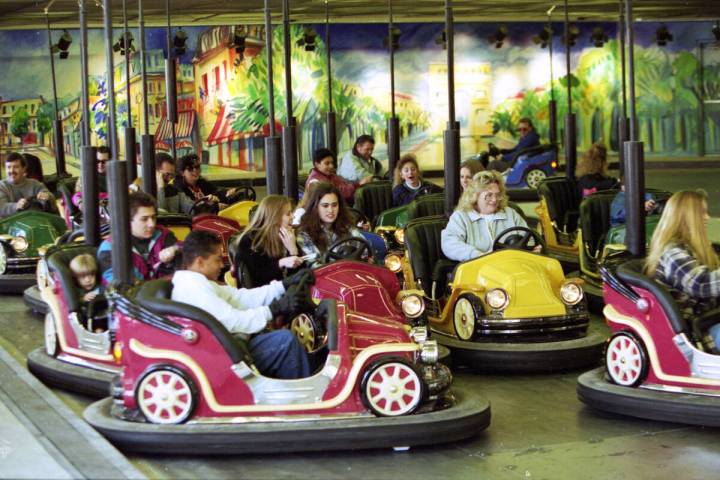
point(681, 256)
point(326, 220)
point(267, 248)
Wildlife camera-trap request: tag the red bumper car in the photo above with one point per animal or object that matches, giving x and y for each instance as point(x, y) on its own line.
point(658, 365)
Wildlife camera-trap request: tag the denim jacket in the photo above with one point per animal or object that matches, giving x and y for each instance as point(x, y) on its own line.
point(469, 235)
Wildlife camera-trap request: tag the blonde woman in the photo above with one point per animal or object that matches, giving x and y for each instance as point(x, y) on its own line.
point(481, 215)
point(268, 246)
point(592, 172)
point(681, 256)
point(408, 182)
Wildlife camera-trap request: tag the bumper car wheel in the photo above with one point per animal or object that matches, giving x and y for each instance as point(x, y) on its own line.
point(51, 339)
point(534, 177)
point(625, 360)
point(466, 311)
point(166, 395)
point(391, 388)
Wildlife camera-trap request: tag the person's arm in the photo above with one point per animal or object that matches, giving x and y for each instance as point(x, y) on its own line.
point(163, 201)
point(453, 240)
point(185, 203)
point(7, 206)
point(686, 274)
point(252, 297)
point(515, 218)
point(351, 169)
point(347, 189)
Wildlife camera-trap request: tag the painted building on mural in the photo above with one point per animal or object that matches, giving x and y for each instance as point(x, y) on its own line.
point(11, 112)
point(71, 118)
point(216, 63)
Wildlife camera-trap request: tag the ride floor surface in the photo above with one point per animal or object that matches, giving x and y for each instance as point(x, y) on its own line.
point(538, 430)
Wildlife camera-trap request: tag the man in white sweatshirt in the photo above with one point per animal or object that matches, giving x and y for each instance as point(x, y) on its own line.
point(17, 191)
point(245, 312)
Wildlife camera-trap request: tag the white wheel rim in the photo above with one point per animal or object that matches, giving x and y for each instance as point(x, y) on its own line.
point(164, 397)
point(50, 335)
point(303, 328)
point(464, 319)
point(624, 361)
point(534, 177)
point(393, 389)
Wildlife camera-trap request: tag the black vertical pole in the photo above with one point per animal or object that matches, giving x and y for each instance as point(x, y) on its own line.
point(85, 124)
point(552, 105)
point(91, 218)
point(289, 131)
point(623, 121)
point(634, 161)
point(58, 139)
point(110, 67)
point(273, 147)
point(147, 141)
point(171, 83)
point(570, 134)
point(451, 136)
point(393, 125)
point(130, 153)
point(331, 117)
point(119, 221)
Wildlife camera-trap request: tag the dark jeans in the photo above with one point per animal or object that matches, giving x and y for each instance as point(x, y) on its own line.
point(278, 354)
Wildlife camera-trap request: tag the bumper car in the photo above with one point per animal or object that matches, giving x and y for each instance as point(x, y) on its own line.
point(658, 365)
point(22, 237)
point(189, 386)
point(529, 167)
point(177, 223)
point(77, 353)
point(510, 310)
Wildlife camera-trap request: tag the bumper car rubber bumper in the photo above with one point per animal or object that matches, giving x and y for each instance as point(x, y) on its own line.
point(33, 300)
point(468, 416)
point(541, 357)
point(68, 376)
point(16, 282)
point(594, 390)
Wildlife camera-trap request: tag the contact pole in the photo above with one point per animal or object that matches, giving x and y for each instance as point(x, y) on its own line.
point(273, 147)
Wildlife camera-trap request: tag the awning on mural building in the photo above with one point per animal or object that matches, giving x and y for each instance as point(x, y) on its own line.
point(183, 131)
point(222, 131)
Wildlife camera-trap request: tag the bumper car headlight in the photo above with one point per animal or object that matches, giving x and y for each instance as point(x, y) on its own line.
point(571, 293)
point(497, 299)
point(419, 334)
point(413, 305)
point(429, 353)
point(393, 263)
point(19, 244)
point(400, 236)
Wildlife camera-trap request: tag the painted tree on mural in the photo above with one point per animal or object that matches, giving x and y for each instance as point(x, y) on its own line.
point(20, 123)
point(45, 117)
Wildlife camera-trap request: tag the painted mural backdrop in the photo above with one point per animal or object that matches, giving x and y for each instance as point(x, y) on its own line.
point(223, 99)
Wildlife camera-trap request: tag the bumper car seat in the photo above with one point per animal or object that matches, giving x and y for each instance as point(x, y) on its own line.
point(563, 202)
point(430, 268)
point(595, 223)
point(155, 296)
point(374, 198)
point(426, 206)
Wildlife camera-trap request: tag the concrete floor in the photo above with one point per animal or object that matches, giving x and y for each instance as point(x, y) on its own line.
point(538, 430)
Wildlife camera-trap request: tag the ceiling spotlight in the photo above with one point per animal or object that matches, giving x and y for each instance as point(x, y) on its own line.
point(179, 41)
point(396, 32)
point(663, 36)
point(308, 39)
point(498, 36)
point(544, 37)
point(63, 45)
point(716, 30)
point(598, 37)
point(441, 40)
point(573, 34)
point(119, 46)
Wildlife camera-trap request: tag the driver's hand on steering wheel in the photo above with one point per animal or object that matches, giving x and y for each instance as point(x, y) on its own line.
point(367, 179)
point(212, 198)
point(22, 204)
point(650, 205)
point(43, 196)
point(537, 249)
point(168, 254)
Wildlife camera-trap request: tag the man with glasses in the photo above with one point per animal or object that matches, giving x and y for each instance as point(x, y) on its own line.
point(169, 197)
point(102, 156)
point(528, 139)
point(17, 192)
point(197, 188)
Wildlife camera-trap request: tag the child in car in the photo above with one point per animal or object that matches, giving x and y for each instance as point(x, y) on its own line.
point(408, 182)
point(93, 303)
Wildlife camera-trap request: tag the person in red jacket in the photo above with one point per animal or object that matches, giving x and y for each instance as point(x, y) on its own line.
point(323, 170)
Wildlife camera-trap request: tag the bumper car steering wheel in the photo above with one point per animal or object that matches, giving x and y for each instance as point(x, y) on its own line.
point(349, 248)
point(519, 238)
point(204, 205)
